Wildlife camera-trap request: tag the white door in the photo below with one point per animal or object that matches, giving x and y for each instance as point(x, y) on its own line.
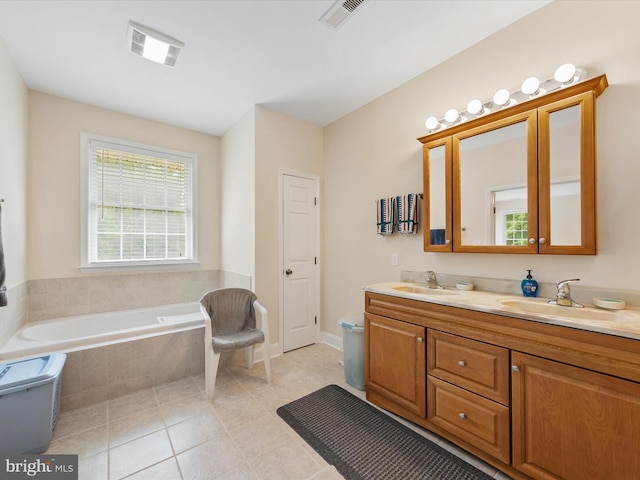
point(300, 283)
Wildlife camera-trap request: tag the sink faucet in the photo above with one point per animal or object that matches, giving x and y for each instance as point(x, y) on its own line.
point(563, 294)
point(432, 281)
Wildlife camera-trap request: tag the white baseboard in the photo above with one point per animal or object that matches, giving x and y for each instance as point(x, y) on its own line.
point(332, 340)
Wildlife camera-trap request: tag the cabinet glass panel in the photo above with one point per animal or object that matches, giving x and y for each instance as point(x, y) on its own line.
point(493, 187)
point(564, 154)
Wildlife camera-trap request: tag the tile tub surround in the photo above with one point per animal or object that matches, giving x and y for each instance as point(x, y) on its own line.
point(64, 297)
point(14, 316)
point(170, 431)
point(97, 374)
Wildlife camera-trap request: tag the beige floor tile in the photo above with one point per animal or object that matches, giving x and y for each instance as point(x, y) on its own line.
point(75, 421)
point(182, 410)
point(94, 467)
point(178, 390)
point(139, 454)
point(327, 473)
point(166, 470)
point(242, 411)
point(241, 472)
point(84, 444)
point(258, 437)
point(129, 428)
point(132, 404)
point(196, 430)
point(288, 462)
point(211, 459)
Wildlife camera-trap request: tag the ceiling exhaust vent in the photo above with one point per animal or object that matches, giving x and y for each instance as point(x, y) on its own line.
point(340, 12)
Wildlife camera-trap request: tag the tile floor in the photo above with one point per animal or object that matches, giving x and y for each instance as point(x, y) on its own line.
point(170, 432)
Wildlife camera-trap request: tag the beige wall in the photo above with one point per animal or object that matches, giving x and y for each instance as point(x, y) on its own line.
point(13, 167)
point(13, 189)
point(54, 179)
point(237, 153)
point(287, 143)
point(373, 153)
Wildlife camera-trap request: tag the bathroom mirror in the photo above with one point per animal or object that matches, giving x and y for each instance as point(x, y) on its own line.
point(437, 184)
point(494, 186)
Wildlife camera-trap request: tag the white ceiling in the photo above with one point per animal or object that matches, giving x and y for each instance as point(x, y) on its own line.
point(240, 53)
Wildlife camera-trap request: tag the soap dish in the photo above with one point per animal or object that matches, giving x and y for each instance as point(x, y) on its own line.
point(609, 303)
point(464, 286)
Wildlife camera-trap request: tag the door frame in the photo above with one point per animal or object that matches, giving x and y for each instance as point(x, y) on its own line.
point(282, 172)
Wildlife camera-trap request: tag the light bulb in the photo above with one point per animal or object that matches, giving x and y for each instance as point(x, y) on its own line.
point(474, 107)
point(531, 86)
point(432, 123)
point(501, 97)
point(452, 115)
point(564, 74)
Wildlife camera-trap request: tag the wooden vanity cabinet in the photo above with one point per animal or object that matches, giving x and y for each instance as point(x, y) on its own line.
point(535, 400)
point(395, 363)
point(572, 423)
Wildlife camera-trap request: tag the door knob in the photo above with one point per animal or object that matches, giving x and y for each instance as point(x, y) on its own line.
point(288, 271)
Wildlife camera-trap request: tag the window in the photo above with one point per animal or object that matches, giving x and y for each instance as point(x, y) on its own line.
point(517, 228)
point(139, 203)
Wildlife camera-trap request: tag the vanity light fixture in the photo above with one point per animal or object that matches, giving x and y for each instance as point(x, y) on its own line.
point(153, 45)
point(565, 75)
point(432, 124)
point(501, 97)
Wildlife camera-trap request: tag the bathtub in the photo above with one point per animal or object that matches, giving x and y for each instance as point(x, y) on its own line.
point(83, 332)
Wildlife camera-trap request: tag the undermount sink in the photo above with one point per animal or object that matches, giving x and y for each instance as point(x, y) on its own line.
point(540, 308)
point(422, 290)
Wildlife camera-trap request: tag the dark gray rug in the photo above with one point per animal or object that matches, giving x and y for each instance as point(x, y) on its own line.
point(365, 443)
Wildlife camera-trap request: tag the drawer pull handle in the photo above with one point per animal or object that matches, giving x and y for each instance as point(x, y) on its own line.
point(461, 363)
point(420, 340)
point(515, 368)
point(462, 415)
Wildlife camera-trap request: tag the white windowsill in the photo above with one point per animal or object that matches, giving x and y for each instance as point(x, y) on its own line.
point(123, 267)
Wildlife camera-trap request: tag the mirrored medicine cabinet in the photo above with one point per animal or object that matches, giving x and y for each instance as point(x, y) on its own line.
point(517, 180)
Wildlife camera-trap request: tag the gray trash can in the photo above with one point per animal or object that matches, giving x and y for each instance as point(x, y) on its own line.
point(353, 349)
point(29, 403)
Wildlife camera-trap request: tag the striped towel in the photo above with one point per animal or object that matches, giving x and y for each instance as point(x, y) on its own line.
point(386, 209)
point(407, 213)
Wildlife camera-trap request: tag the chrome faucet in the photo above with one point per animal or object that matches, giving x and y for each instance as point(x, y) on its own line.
point(432, 281)
point(563, 294)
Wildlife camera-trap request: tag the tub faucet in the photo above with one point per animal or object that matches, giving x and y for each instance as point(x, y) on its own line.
point(563, 294)
point(432, 281)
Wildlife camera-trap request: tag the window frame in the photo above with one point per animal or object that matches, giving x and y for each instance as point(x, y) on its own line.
point(87, 259)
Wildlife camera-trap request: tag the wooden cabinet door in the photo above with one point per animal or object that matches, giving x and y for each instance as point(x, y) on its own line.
point(571, 423)
point(395, 362)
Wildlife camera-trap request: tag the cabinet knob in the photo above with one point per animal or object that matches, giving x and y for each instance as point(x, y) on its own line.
point(420, 340)
point(462, 415)
point(461, 363)
point(543, 240)
point(447, 241)
point(532, 241)
point(514, 368)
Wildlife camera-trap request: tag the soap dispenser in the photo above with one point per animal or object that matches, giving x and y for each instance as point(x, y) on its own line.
point(529, 286)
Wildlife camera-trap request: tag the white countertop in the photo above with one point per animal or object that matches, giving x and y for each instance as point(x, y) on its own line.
point(623, 323)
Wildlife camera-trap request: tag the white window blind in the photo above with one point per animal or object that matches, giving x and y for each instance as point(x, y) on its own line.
point(140, 204)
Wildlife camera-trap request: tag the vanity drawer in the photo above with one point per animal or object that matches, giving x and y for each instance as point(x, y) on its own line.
point(476, 366)
point(472, 418)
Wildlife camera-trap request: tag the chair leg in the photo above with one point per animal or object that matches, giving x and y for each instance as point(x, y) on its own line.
point(248, 355)
point(266, 354)
point(211, 362)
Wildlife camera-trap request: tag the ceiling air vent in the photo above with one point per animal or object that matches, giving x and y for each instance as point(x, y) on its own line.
point(340, 12)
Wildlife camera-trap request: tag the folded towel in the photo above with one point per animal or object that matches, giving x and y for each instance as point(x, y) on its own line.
point(407, 213)
point(3, 289)
point(385, 207)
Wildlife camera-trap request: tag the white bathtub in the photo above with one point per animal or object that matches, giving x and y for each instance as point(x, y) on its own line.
point(70, 334)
